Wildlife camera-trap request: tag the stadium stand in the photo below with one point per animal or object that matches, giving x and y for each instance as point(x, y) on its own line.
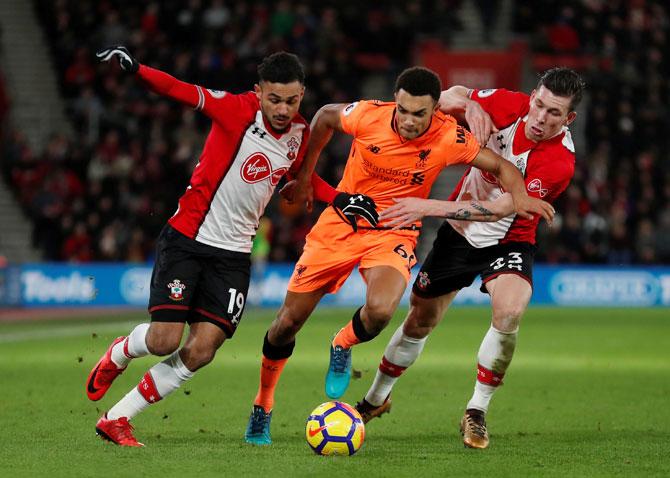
point(617, 209)
point(100, 194)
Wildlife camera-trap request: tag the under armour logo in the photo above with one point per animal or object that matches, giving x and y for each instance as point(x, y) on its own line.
point(258, 132)
point(500, 138)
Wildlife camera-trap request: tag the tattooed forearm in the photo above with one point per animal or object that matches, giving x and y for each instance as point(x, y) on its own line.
point(462, 214)
point(481, 209)
point(466, 214)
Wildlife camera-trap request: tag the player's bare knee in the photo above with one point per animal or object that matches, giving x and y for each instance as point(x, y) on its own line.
point(162, 344)
point(196, 357)
point(506, 319)
point(422, 318)
point(419, 323)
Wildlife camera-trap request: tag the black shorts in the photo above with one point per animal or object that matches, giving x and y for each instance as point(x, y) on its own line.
point(453, 263)
point(194, 282)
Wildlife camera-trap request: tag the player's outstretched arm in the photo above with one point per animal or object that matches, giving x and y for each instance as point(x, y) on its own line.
point(122, 55)
point(456, 102)
point(349, 206)
point(323, 191)
point(158, 81)
point(407, 211)
point(511, 180)
point(325, 122)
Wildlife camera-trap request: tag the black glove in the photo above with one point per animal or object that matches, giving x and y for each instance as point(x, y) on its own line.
point(353, 206)
point(127, 62)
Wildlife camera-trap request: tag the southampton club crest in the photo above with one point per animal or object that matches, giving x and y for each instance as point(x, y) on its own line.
point(293, 145)
point(423, 281)
point(176, 290)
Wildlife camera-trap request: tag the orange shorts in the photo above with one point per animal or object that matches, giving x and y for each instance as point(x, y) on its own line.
point(333, 249)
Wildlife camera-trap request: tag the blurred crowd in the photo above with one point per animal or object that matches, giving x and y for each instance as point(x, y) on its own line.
point(102, 195)
point(617, 209)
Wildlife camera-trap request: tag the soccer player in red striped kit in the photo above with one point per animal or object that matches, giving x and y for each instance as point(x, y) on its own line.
point(202, 268)
point(485, 238)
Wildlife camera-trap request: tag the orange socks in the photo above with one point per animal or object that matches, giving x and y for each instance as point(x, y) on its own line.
point(353, 333)
point(346, 337)
point(270, 372)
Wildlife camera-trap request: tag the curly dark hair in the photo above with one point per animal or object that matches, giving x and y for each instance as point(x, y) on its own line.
point(565, 82)
point(419, 81)
point(281, 67)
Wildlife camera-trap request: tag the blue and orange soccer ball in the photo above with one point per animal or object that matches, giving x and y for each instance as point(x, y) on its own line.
point(335, 428)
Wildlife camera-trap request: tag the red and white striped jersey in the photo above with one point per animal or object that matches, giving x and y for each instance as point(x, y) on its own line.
point(548, 167)
point(242, 161)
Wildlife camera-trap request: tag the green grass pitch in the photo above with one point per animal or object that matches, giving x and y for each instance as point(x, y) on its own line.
point(587, 395)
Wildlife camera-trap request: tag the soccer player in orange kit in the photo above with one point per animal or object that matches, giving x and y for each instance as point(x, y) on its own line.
point(399, 149)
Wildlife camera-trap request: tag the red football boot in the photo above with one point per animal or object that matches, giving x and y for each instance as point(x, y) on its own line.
point(103, 374)
point(117, 431)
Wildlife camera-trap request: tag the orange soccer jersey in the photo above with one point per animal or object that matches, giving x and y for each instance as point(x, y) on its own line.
point(382, 165)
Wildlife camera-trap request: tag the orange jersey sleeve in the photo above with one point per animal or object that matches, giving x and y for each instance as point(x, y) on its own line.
point(352, 114)
point(461, 145)
point(384, 165)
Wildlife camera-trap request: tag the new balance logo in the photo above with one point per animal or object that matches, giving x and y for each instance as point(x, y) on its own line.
point(257, 131)
point(418, 178)
point(460, 135)
point(374, 149)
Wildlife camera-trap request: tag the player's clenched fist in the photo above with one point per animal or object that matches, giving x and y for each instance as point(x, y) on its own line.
point(353, 206)
point(126, 60)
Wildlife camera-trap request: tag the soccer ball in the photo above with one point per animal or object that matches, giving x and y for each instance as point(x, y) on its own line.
point(335, 428)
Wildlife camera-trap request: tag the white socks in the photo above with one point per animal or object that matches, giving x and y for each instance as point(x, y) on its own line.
point(134, 346)
point(161, 380)
point(400, 353)
point(495, 355)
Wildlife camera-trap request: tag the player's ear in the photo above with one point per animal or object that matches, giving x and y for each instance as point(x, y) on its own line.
point(571, 117)
point(532, 95)
point(257, 90)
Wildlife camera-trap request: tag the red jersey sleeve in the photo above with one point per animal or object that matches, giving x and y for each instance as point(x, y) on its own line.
point(549, 174)
point(504, 106)
point(217, 105)
point(322, 190)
